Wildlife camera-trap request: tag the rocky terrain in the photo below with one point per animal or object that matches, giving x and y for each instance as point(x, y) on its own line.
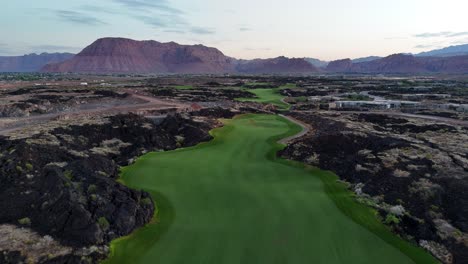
point(118, 55)
point(31, 62)
point(66, 135)
point(403, 64)
point(276, 65)
point(64, 185)
point(413, 172)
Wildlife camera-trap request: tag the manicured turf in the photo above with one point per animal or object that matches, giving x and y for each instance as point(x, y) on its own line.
point(231, 201)
point(183, 87)
point(267, 96)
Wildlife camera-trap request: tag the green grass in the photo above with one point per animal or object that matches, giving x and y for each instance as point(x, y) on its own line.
point(267, 96)
point(232, 201)
point(183, 87)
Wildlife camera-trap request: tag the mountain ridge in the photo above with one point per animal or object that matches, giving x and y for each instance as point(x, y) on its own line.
point(31, 62)
point(121, 55)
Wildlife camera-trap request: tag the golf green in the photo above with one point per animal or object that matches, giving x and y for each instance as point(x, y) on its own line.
point(266, 96)
point(231, 201)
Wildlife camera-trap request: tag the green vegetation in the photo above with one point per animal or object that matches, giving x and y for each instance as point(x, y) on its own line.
point(29, 166)
point(391, 219)
point(68, 174)
point(267, 96)
point(145, 201)
point(232, 201)
point(24, 221)
point(289, 86)
point(92, 188)
point(359, 97)
point(103, 223)
point(183, 87)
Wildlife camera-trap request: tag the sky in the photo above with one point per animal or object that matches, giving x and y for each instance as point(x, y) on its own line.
point(328, 30)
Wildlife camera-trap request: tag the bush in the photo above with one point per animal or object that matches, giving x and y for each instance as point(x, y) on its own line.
point(19, 169)
point(25, 221)
point(68, 174)
point(103, 223)
point(29, 166)
point(92, 188)
point(391, 219)
point(145, 201)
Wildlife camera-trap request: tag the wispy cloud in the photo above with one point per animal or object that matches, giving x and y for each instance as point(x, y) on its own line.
point(458, 34)
point(78, 18)
point(256, 49)
point(447, 34)
point(202, 31)
point(158, 14)
point(423, 46)
point(54, 48)
point(4, 49)
point(153, 5)
point(175, 31)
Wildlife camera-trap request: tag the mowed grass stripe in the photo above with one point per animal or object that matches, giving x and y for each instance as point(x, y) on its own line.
point(232, 201)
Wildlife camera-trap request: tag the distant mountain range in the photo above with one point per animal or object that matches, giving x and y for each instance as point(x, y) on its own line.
point(120, 55)
point(402, 64)
point(31, 62)
point(459, 50)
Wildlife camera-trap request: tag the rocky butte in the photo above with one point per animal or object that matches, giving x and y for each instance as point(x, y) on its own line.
point(119, 55)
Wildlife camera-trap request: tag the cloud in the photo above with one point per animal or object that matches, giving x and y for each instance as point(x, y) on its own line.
point(243, 29)
point(4, 49)
point(202, 31)
point(78, 18)
point(153, 21)
point(175, 31)
point(422, 46)
point(460, 42)
point(458, 34)
point(158, 14)
point(256, 49)
point(54, 48)
point(151, 5)
point(447, 34)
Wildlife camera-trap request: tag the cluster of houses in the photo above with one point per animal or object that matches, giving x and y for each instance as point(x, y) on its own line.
point(377, 104)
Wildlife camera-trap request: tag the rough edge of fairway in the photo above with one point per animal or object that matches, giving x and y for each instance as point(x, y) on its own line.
point(343, 198)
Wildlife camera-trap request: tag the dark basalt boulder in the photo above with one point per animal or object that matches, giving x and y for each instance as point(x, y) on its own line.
point(64, 183)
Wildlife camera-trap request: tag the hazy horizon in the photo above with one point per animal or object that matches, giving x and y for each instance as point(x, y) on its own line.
point(244, 29)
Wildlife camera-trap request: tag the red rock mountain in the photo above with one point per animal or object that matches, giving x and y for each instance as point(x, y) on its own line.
point(119, 55)
point(402, 63)
point(31, 62)
point(276, 65)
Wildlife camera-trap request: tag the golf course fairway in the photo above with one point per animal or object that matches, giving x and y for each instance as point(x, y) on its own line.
point(266, 96)
point(231, 201)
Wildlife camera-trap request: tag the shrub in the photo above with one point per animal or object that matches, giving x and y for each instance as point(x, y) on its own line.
point(92, 188)
point(93, 197)
point(29, 166)
point(103, 223)
point(19, 169)
point(145, 201)
point(391, 219)
point(68, 174)
point(24, 221)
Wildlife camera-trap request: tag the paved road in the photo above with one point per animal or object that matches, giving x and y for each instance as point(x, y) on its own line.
point(305, 130)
